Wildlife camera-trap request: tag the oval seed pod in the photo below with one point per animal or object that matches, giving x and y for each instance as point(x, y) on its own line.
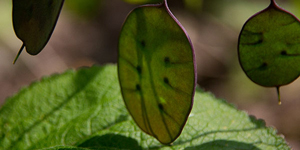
point(268, 47)
point(156, 67)
point(34, 22)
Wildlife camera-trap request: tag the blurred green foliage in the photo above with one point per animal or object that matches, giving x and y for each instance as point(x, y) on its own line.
point(84, 8)
point(143, 1)
point(193, 5)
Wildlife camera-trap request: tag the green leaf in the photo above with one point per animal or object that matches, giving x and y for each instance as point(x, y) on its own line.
point(156, 71)
point(268, 47)
point(66, 148)
point(62, 109)
point(84, 110)
point(34, 22)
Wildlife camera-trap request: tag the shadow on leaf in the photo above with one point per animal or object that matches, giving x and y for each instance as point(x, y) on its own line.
point(111, 141)
point(224, 145)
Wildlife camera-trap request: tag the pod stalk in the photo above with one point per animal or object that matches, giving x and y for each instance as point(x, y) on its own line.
point(278, 94)
point(19, 53)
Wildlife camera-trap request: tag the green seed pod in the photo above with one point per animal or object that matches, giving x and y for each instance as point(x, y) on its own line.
point(268, 47)
point(156, 69)
point(34, 22)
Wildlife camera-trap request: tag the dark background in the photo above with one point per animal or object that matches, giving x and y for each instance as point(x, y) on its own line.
point(87, 34)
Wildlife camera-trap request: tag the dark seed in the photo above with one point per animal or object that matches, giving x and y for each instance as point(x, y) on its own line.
point(138, 87)
point(160, 106)
point(166, 80)
point(139, 69)
point(167, 60)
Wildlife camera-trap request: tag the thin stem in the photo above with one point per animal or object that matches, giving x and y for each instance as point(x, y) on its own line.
point(19, 53)
point(273, 2)
point(278, 94)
